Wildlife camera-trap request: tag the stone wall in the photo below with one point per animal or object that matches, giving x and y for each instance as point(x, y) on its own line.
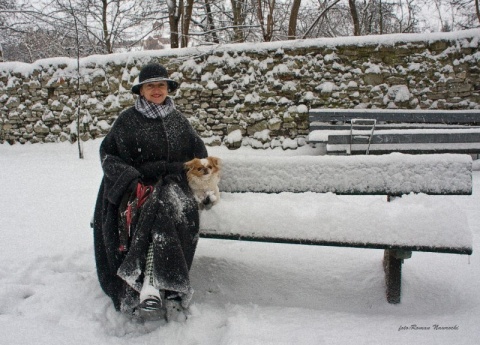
point(256, 93)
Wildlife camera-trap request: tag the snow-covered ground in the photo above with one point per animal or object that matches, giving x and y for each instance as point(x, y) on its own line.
point(246, 293)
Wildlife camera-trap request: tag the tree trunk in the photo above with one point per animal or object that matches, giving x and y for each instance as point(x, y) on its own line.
point(292, 24)
point(354, 13)
point(174, 15)
point(186, 22)
point(211, 24)
point(267, 30)
point(238, 20)
point(106, 34)
point(381, 17)
point(271, 7)
point(477, 9)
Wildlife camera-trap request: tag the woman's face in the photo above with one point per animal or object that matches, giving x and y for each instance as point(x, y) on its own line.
point(155, 92)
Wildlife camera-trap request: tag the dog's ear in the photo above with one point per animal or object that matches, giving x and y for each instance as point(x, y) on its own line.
point(190, 164)
point(215, 162)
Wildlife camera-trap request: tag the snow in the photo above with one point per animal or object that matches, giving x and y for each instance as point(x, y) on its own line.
point(226, 49)
point(394, 173)
point(246, 293)
point(413, 220)
point(373, 221)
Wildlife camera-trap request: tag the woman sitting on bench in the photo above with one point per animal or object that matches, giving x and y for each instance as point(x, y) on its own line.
point(144, 254)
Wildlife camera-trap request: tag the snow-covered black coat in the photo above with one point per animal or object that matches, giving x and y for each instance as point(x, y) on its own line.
point(151, 151)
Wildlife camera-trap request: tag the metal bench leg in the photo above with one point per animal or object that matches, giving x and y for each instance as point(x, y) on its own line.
point(392, 264)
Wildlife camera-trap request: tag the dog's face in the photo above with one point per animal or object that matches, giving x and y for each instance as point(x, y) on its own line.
point(202, 169)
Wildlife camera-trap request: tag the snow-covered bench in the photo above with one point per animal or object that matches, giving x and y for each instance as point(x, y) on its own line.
point(314, 200)
point(353, 131)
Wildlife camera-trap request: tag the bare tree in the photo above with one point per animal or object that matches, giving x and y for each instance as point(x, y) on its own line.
point(319, 17)
point(175, 12)
point(79, 97)
point(44, 29)
point(354, 14)
point(210, 21)
point(238, 11)
point(292, 24)
point(186, 22)
point(465, 14)
point(266, 8)
point(102, 25)
point(477, 10)
point(108, 22)
point(377, 17)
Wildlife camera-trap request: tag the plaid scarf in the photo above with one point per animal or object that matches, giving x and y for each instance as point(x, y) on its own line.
point(152, 110)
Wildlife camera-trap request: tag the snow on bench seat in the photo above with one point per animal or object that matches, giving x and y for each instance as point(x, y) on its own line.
point(415, 222)
point(393, 174)
point(291, 200)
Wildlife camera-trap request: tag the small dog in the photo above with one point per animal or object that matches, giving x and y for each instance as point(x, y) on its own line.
point(203, 176)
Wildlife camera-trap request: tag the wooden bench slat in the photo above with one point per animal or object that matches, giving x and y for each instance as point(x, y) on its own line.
point(383, 142)
point(341, 135)
point(318, 126)
point(360, 149)
point(396, 115)
point(410, 138)
point(205, 233)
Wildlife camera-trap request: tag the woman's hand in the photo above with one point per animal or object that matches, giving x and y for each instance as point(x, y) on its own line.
point(152, 171)
point(175, 168)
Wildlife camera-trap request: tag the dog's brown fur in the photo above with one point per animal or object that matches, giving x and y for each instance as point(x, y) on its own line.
point(203, 176)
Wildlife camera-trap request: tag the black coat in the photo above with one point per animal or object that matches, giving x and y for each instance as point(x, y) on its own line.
point(151, 151)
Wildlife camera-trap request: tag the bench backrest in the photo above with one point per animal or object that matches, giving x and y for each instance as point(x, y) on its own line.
point(407, 141)
point(396, 115)
point(392, 174)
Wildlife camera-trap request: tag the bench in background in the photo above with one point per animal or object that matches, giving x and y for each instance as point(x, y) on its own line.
point(380, 131)
point(254, 206)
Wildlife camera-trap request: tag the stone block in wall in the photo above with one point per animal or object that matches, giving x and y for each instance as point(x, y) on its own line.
point(14, 116)
point(458, 85)
point(51, 138)
point(40, 128)
point(274, 124)
point(48, 117)
point(62, 137)
point(66, 115)
point(373, 78)
point(257, 127)
point(437, 95)
point(56, 129)
point(12, 103)
point(27, 135)
point(125, 99)
point(438, 46)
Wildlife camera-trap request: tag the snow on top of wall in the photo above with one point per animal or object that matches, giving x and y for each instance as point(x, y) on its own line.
point(145, 56)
